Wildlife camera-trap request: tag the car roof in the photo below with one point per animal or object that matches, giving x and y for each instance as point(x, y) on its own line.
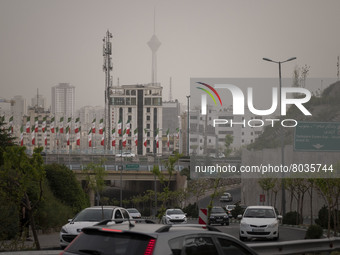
point(260, 207)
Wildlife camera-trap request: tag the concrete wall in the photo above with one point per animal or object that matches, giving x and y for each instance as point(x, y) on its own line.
point(251, 190)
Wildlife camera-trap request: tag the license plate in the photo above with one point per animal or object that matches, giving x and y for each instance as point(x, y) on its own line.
point(258, 230)
point(218, 219)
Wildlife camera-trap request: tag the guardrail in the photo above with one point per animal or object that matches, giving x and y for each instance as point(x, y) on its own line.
point(313, 246)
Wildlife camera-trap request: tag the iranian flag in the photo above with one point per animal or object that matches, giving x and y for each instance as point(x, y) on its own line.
point(11, 124)
point(124, 138)
point(101, 126)
point(52, 125)
point(145, 142)
point(128, 126)
point(120, 127)
point(36, 124)
point(135, 134)
point(102, 141)
point(43, 127)
point(69, 124)
point(33, 135)
point(68, 135)
point(177, 130)
point(78, 137)
point(94, 126)
point(168, 138)
point(76, 128)
point(113, 137)
point(28, 124)
point(45, 138)
point(89, 138)
point(156, 138)
point(22, 136)
point(61, 125)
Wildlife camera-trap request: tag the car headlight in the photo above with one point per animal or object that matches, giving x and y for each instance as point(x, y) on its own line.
point(63, 230)
point(273, 225)
point(242, 224)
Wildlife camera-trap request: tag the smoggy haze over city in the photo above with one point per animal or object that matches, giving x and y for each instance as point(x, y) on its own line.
point(44, 43)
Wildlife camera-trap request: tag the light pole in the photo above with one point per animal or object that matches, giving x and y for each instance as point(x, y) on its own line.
point(188, 124)
point(283, 190)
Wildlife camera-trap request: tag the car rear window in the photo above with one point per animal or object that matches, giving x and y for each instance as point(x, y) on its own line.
point(105, 243)
point(94, 215)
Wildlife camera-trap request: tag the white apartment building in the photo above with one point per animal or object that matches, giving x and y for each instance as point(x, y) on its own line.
point(63, 100)
point(141, 106)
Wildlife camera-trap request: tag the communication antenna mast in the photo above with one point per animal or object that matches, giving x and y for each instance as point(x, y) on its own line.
point(107, 67)
point(170, 94)
point(338, 68)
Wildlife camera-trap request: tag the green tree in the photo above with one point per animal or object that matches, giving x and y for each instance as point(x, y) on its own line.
point(228, 141)
point(94, 176)
point(21, 180)
point(66, 187)
point(6, 139)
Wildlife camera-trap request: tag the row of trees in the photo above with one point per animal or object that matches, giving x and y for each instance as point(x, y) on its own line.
point(299, 188)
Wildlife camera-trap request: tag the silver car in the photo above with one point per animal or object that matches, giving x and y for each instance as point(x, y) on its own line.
point(174, 216)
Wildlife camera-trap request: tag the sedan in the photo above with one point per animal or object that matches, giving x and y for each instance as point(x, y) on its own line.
point(259, 222)
point(174, 216)
point(218, 216)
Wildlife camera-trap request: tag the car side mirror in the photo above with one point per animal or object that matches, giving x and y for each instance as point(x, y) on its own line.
point(69, 220)
point(279, 217)
point(239, 217)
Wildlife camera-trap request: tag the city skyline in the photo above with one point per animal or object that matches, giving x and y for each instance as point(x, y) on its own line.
point(47, 43)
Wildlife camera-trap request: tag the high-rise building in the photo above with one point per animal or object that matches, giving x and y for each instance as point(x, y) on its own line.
point(137, 108)
point(63, 100)
point(18, 109)
point(38, 101)
point(171, 123)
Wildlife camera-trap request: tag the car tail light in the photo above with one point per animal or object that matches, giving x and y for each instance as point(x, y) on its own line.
point(150, 247)
point(112, 230)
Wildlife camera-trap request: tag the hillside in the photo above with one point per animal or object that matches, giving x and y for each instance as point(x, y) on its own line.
point(325, 108)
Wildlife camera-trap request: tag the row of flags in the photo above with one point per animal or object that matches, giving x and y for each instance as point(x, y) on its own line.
point(77, 128)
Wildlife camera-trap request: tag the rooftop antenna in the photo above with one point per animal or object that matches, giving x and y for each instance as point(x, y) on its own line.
point(170, 94)
point(107, 67)
point(338, 68)
point(154, 44)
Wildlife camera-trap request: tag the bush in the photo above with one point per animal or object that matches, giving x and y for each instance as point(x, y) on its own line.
point(291, 218)
point(66, 187)
point(9, 220)
point(191, 210)
point(314, 232)
point(52, 213)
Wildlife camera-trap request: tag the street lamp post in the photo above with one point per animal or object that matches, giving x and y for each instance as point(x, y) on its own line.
point(188, 124)
point(283, 191)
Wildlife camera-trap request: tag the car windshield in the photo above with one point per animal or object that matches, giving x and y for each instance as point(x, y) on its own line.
point(217, 210)
point(94, 215)
point(259, 213)
point(175, 211)
point(230, 207)
point(132, 210)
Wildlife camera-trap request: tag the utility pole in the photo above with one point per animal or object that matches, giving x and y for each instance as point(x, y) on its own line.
point(107, 67)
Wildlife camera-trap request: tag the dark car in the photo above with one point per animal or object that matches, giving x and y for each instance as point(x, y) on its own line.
point(218, 216)
point(155, 239)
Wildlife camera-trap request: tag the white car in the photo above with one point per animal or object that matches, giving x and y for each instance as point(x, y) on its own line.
point(134, 213)
point(174, 216)
point(126, 155)
point(259, 222)
point(89, 217)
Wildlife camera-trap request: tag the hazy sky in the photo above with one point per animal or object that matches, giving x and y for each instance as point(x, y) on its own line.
point(45, 42)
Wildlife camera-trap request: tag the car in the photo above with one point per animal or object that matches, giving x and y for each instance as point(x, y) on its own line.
point(259, 222)
point(155, 239)
point(218, 216)
point(174, 216)
point(226, 197)
point(126, 155)
point(134, 213)
point(229, 208)
point(88, 217)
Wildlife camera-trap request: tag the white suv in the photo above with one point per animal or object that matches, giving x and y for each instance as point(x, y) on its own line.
point(259, 222)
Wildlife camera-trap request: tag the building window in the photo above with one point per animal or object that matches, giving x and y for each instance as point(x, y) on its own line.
point(133, 92)
point(148, 109)
point(129, 110)
point(147, 101)
point(147, 117)
point(148, 126)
